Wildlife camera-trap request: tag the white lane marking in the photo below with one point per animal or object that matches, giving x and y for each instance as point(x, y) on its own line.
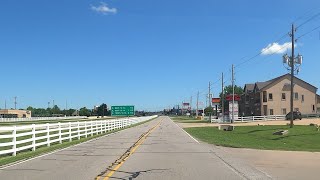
point(58, 150)
point(185, 131)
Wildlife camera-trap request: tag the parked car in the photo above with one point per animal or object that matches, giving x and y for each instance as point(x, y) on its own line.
point(296, 115)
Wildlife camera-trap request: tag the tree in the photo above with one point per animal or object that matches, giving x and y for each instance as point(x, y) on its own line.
point(69, 112)
point(38, 112)
point(228, 91)
point(30, 108)
point(84, 112)
point(208, 110)
point(102, 110)
point(55, 110)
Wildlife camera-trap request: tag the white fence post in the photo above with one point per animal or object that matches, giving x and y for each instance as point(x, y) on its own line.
point(78, 125)
point(91, 128)
point(48, 134)
point(105, 125)
point(108, 125)
point(14, 140)
point(70, 137)
point(33, 137)
point(85, 129)
point(59, 131)
point(101, 127)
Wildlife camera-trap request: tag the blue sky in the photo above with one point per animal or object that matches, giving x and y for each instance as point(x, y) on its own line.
point(152, 54)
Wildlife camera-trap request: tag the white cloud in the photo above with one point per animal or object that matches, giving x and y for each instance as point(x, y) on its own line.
point(276, 48)
point(103, 8)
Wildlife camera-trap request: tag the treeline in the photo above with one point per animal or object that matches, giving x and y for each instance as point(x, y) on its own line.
point(55, 111)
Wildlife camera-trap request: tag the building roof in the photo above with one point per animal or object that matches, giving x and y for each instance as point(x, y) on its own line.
point(261, 85)
point(249, 87)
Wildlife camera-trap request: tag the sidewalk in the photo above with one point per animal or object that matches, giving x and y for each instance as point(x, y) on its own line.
point(280, 164)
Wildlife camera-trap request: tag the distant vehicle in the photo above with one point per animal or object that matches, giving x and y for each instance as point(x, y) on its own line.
point(296, 115)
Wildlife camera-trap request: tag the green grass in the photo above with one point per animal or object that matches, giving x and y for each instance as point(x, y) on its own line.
point(300, 138)
point(27, 154)
point(187, 119)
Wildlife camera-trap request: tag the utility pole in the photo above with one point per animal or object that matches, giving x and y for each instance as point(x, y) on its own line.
point(209, 100)
point(222, 99)
point(191, 106)
point(209, 95)
point(197, 104)
point(292, 62)
point(52, 103)
point(232, 120)
point(182, 108)
point(15, 102)
point(292, 74)
point(48, 105)
point(5, 104)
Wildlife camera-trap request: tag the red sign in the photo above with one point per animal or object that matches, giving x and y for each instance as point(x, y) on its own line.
point(215, 100)
point(236, 97)
point(185, 104)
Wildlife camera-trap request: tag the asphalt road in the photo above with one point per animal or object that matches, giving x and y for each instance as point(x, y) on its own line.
point(156, 150)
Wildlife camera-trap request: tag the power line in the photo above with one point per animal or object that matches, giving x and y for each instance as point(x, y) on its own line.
point(269, 55)
point(261, 52)
point(308, 20)
point(308, 12)
point(265, 49)
point(308, 32)
point(283, 36)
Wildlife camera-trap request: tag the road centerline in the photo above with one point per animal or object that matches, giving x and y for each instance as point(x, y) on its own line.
point(119, 162)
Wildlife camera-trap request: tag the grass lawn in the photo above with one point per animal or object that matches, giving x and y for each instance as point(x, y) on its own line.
point(300, 138)
point(27, 154)
point(187, 119)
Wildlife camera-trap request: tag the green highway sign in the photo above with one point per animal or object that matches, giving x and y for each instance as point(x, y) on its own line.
point(122, 110)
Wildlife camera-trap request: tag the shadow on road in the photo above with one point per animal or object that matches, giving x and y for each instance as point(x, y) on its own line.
point(133, 175)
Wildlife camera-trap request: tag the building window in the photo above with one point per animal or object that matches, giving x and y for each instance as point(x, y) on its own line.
point(270, 97)
point(271, 111)
point(264, 96)
point(283, 96)
point(284, 111)
point(296, 96)
point(313, 108)
point(302, 98)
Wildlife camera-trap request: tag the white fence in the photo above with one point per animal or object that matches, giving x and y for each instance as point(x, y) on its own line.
point(14, 139)
point(41, 118)
point(261, 118)
point(249, 119)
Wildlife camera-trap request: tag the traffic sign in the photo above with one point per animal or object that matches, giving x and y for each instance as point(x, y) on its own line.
point(122, 110)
